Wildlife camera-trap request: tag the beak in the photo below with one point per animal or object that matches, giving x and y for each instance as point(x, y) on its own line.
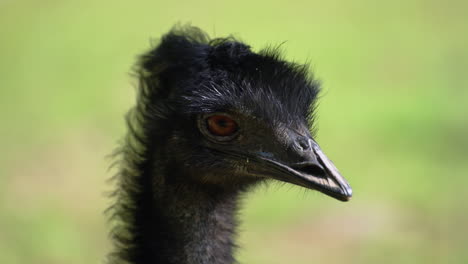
point(313, 171)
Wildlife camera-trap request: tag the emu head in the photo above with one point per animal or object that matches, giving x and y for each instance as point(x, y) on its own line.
point(224, 116)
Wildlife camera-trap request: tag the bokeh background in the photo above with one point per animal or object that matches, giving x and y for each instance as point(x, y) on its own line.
point(393, 117)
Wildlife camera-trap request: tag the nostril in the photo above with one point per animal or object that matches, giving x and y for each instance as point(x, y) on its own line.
point(303, 143)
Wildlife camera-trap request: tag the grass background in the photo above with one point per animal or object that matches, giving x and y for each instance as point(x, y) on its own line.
point(393, 117)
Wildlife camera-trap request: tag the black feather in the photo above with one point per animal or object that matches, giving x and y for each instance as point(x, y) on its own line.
point(185, 75)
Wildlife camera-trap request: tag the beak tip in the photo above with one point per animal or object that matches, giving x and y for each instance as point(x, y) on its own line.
point(348, 194)
point(346, 198)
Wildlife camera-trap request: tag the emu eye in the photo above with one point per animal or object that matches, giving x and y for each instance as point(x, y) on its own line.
point(221, 125)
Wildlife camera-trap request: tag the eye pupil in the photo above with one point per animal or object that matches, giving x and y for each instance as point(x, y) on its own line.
point(221, 125)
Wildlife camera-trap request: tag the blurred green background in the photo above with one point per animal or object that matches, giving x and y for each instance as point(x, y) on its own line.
point(393, 117)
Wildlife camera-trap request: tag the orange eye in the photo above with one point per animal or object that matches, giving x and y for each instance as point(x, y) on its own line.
point(221, 125)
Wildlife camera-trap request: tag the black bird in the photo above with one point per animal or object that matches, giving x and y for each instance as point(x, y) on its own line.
point(212, 119)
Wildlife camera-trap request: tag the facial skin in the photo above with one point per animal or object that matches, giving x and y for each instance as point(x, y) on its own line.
point(237, 148)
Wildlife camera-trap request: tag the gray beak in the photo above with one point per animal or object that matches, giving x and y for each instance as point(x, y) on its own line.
point(313, 170)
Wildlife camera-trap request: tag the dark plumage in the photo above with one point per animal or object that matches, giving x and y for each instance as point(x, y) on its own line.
point(212, 119)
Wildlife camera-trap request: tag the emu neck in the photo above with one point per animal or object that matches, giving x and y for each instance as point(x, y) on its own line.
point(195, 224)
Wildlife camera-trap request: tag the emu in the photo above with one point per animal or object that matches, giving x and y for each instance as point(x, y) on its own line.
point(212, 120)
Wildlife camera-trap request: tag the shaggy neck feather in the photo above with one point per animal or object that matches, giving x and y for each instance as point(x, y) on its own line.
point(198, 225)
